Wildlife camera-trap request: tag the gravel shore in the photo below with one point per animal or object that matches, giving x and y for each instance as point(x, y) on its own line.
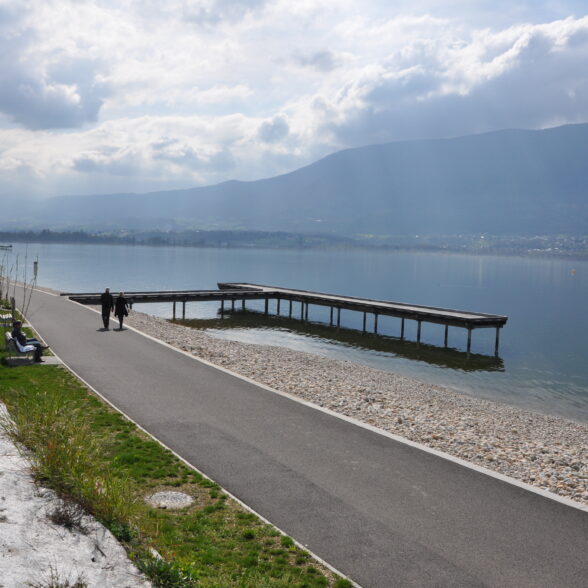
point(546, 451)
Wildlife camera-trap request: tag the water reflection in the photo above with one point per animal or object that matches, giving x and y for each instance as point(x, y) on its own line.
point(275, 330)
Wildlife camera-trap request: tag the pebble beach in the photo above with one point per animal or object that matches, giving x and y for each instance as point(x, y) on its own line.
point(549, 452)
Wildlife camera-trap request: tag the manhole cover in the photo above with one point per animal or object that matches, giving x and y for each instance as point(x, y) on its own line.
point(169, 499)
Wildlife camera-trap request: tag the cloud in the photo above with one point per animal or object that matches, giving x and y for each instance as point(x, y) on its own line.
point(147, 94)
point(216, 11)
point(322, 61)
point(523, 77)
point(274, 130)
point(38, 94)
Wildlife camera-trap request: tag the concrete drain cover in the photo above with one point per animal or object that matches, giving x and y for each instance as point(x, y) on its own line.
point(169, 499)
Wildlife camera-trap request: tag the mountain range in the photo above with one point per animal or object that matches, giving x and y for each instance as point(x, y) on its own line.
point(506, 182)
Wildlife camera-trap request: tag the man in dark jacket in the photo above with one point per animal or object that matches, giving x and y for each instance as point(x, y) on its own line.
point(24, 342)
point(107, 302)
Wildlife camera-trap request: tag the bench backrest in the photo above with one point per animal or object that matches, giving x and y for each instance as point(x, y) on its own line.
point(11, 345)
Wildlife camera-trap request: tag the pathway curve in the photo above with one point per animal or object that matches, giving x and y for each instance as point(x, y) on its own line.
point(383, 512)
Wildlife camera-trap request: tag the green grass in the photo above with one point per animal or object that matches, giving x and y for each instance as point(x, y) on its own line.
point(93, 456)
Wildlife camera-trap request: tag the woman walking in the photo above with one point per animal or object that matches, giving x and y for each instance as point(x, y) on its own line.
point(121, 309)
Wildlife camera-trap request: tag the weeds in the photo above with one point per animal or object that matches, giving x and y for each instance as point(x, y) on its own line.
point(70, 515)
point(54, 580)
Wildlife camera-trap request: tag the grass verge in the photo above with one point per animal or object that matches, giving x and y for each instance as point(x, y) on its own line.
point(94, 457)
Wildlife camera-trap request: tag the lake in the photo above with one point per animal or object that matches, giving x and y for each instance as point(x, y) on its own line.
point(542, 361)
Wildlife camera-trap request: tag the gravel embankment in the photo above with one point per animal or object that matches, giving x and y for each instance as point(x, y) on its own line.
point(546, 451)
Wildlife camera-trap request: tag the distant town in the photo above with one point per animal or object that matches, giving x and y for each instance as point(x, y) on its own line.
point(536, 245)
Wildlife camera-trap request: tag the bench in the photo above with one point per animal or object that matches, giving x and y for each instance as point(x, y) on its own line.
point(14, 353)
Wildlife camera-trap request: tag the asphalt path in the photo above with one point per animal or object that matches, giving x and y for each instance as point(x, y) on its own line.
point(383, 512)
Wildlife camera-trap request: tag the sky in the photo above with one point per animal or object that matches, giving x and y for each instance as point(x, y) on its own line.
point(102, 96)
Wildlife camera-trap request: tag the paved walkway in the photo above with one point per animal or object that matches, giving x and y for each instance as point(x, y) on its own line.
point(383, 512)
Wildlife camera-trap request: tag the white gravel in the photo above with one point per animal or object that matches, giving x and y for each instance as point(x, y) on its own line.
point(34, 551)
point(546, 451)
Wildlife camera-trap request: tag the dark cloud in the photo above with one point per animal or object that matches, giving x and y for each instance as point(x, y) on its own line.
point(274, 130)
point(121, 164)
point(545, 84)
point(173, 151)
point(323, 61)
point(63, 96)
point(220, 10)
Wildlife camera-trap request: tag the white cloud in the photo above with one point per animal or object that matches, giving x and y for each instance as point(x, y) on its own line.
point(145, 94)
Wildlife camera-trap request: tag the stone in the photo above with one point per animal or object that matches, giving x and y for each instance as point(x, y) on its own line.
point(169, 499)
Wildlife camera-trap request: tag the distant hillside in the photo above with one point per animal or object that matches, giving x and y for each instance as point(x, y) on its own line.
point(507, 182)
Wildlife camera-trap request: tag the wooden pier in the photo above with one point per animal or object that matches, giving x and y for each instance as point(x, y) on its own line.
point(232, 292)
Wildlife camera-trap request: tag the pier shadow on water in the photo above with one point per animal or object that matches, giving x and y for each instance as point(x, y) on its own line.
point(255, 321)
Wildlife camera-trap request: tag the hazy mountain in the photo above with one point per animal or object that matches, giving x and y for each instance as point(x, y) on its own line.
point(516, 182)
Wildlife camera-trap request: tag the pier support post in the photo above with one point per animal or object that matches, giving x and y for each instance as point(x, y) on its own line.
point(419, 331)
point(446, 334)
point(183, 309)
point(243, 304)
point(338, 317)
point(469, 338)
point(290, 310)
point(278, 307)
point(306, 313)
point(174, 310)
point(331, 318)
point(301, 311)
point(375, 323)
point(222, 308)
point(364, 320)
point(497, 341)
point(402, 329)
point(233, 305)
point(266, 306)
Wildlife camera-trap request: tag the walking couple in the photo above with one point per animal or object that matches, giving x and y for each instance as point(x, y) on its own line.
point(120, 307)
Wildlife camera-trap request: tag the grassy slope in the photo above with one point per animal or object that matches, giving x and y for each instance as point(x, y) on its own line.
point(91, 455)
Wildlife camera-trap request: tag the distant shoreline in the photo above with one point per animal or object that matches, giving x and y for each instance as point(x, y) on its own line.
point(277, 240)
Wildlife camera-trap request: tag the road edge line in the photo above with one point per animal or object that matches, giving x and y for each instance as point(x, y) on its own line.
point(472, 466)
point(333, 569)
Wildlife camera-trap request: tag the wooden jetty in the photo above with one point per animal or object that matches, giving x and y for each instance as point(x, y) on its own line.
point(233, 292)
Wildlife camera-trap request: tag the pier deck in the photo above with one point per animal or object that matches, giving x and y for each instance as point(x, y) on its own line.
point(229, 291)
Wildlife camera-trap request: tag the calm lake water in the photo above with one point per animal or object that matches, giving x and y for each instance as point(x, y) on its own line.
point(543, 359)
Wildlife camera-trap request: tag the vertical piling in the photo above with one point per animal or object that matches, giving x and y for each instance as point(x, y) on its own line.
point(364, 319)
point(419, 331)
point(402, 329)
point(183, 309)
point(306, 313)
point(243, 304)
point(222, 308)
point(232, 305)
point(497, 341)
point(278, 307)
point(375, 323)
point(446, 334)
point(331, 318)
point(266, 306)
point(338, 317)
point(290, 310)
point(174, 310)
point(469, 338)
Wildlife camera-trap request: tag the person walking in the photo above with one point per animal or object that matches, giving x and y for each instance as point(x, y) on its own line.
point(121, 309)
point(107, 303)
